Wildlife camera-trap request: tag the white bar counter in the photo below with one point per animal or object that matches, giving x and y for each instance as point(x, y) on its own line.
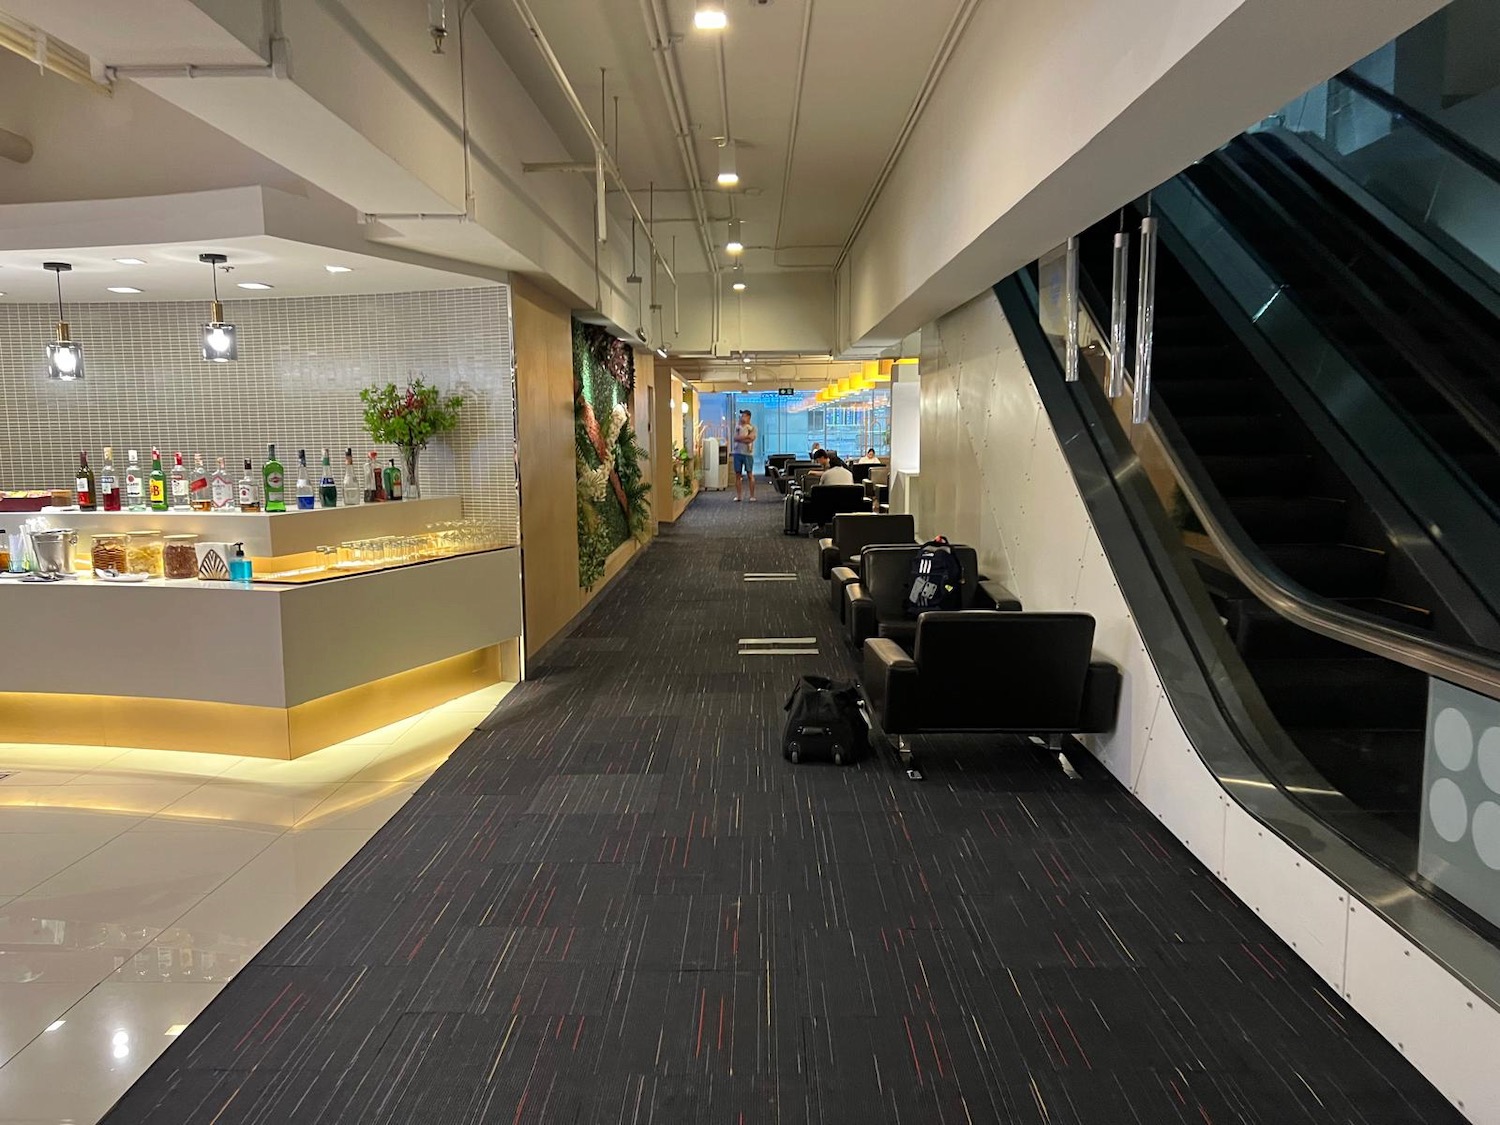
point(275, 671)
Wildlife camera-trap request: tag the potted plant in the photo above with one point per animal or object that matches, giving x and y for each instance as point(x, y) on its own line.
point(409, 418)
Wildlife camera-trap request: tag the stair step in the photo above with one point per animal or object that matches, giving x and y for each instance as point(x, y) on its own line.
point(1238, 433)
point(1329, 693)
point(1259, 474)
point(1290, 519)
point(1335, 570)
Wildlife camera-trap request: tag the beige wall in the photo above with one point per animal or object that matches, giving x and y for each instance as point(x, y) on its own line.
point(544, 441)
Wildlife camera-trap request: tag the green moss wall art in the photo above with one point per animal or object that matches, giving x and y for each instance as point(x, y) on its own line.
point(614, 502)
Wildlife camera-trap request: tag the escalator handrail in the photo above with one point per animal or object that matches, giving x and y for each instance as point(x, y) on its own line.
point(1441, 135)
point(1474, 668)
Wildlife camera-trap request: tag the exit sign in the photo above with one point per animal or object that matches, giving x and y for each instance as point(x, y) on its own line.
point(785, 391)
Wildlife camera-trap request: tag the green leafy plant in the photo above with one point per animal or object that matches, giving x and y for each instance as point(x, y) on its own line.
point(409, 417)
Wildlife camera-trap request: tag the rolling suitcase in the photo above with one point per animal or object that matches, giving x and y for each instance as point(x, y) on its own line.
point(792, 510)
point(823, 721)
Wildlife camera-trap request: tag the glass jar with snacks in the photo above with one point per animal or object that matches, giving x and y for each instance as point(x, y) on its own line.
point(180, 556)
point(108, 554)
point(143, 553)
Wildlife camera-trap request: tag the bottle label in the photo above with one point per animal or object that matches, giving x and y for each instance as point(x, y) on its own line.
point(247, 495)
point(179, 487)
point(221, 494)
point(133, 483)
point(274, 482)
point(83, 486)
point(158, 491)
point(107, 486)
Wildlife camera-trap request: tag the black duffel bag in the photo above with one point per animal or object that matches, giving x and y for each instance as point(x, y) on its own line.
point(823, 720)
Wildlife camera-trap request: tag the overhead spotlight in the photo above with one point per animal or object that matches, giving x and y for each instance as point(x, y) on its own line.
point(736, 243)
point(662, 352)
point(64, 354)
point(739, 280)
point(710, 17)
point(219, 345)
point(729, 175)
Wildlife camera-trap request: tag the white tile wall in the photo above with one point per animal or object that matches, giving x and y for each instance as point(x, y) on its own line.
point(302, 363)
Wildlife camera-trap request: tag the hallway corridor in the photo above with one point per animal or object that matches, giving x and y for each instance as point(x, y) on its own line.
point(617, 903)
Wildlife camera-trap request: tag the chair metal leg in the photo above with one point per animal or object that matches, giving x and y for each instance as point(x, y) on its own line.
point(1055, 746)
point(908, 758)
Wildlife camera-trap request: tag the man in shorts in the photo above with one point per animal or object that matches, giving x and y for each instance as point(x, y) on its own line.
point(744, 455)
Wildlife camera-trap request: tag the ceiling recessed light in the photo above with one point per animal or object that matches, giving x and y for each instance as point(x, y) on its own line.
point(338, 269)
point(255, 285)
point(122, 289)
point(131, 261)
point(710, 17)
point(55, 1024)
point(177, 1029)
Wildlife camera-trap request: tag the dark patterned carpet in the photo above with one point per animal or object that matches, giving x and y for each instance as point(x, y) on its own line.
point(617, 903)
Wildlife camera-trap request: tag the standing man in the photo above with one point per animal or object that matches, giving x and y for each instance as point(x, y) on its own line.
point(744, 455)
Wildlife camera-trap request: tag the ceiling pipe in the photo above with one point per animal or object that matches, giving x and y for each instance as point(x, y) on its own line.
point(14, 147)
point(54, 56)
point(604, 160)
point(669, 76)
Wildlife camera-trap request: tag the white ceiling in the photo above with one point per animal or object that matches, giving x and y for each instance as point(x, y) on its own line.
point(850, 69)
point(173, 272)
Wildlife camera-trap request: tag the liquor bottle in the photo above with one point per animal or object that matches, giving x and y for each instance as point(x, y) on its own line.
point(134, 493)
point(221, 489)
point(249, 499)
point(374, 486)
point(274, 478)
point(200, 495)
point(393, 485)
point(305, 496)
point(328, 491)
point(87, 501)
point(109, 485)
point(348, 494)
point(180, 501)
point(158, 485)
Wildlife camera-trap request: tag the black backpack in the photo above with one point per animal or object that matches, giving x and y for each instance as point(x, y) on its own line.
point(823, 721)
point(937, 579)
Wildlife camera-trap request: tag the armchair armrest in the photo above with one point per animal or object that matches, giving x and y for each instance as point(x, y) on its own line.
point(828, 557)
point(859, 614)
point(838, 579)
point(891, 681)
point(997, 596)
point(1101, 699)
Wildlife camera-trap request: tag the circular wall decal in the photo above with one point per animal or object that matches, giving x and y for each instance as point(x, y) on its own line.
point(1487, 834)
point(1489, 758)
point(1453, 739)
point(1448, 810)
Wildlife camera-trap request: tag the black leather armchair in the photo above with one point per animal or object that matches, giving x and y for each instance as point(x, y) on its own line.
point(790, 473)
point(875, 606)
point(987, 672)
point(822, 502)
point(854, 531)
point(842, 577)
point(775, 463)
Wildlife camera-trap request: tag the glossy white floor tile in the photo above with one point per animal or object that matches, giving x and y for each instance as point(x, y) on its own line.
point(135, 883)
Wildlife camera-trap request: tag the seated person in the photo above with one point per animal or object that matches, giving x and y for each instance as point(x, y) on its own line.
point(813, 456)
point(834, 471)
point(869, 458)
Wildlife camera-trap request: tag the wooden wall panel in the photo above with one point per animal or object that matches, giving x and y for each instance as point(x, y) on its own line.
point(544, 440)
point(661, 458)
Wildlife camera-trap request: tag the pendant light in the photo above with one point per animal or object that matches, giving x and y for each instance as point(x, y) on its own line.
point(739, 279)
point(64, 354)
point(219, 344)
point(729, 175)
point(736, 243)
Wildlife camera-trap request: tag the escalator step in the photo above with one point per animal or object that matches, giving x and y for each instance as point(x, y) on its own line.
point(1335, 570)
point(1379, 770)
point(1322, 693)
point(1241, 433)
point(1186, 398)
point(1261, 474)
point(1290, 519)
point(1260, 631)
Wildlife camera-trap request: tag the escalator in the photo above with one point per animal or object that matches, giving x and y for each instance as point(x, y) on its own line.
point(1324, 459)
